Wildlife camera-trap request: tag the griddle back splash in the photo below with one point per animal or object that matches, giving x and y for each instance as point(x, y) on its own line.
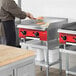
point(69, 26)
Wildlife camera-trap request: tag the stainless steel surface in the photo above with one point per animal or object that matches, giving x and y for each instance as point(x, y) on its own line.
point(66, 31)
point(31, 24)
point(67, 61)
point(52, 36)
point(60, 63)
point(67, 64)
point(70, 26)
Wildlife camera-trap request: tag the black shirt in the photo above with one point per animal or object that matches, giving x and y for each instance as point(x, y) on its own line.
point(0, 20)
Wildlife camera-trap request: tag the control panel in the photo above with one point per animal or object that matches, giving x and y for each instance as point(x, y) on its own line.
point(63, 38)
point(42, 35)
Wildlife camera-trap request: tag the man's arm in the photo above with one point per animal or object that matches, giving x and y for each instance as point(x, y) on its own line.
point(11, 7)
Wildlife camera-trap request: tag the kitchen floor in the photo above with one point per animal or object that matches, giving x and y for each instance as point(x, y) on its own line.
point(53, 72)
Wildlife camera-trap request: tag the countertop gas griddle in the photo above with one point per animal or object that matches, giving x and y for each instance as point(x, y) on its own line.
point(30, 28)
point(43, 35)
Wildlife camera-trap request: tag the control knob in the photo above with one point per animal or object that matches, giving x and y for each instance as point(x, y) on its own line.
point(64, 37)
point(74, 39)
point(23, 32)
point(36, 34)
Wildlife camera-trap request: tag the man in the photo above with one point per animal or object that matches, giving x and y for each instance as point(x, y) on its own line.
point(8, 11)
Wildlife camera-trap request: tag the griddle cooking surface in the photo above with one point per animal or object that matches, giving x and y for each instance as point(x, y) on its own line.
point(69, 26)
point(32, 24)
point(29, 22)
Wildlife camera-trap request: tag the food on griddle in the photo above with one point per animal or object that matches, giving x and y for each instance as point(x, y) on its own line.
point(40, 20)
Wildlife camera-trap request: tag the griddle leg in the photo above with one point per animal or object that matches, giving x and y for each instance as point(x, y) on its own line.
point(47, 60)
point(47, 71)
point(40, 68)
point(67, 64)
point(60, 63)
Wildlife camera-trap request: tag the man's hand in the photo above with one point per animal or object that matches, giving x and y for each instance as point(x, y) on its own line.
point(29, 15)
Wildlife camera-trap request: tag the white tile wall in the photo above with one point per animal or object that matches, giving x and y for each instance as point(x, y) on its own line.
point(58, 8)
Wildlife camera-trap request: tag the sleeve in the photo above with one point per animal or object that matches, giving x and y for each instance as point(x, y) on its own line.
point(11, 7)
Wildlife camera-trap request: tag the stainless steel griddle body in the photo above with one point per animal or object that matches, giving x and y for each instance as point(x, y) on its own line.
point(46, 32)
